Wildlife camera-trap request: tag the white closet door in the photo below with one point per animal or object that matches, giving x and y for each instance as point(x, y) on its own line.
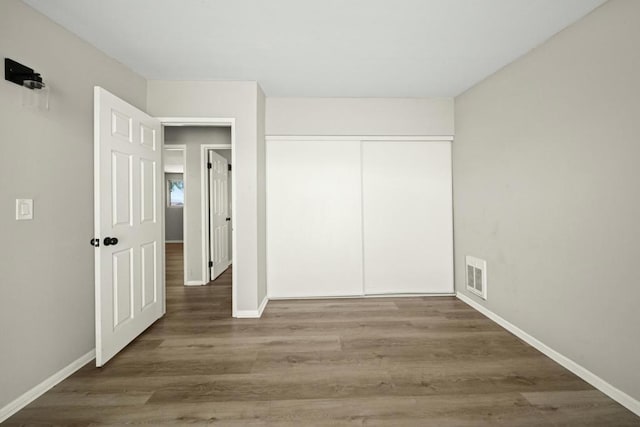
point(314, 221)
point(407, 217)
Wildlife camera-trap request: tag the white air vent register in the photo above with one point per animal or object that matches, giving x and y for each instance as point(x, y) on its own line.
point(477, 276)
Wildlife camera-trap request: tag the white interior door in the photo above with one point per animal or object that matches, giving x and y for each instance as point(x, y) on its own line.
point(407, 217)
point(314, 228)
point(218, 213)
point(128, 223)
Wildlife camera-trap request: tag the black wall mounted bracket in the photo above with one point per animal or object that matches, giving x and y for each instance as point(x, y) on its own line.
point(18, 74)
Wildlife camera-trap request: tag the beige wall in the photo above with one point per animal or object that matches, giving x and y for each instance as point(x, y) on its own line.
point(546, 189)
point(359, 116)
point(46, 265)
point(237, 100)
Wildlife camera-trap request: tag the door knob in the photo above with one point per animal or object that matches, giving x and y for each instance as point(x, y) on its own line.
point(95, 243)
point(228, 219)
point(110, 241)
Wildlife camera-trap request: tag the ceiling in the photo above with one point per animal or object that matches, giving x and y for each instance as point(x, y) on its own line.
point(330, 48)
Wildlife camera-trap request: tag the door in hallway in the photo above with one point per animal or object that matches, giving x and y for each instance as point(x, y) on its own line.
point(219, 218)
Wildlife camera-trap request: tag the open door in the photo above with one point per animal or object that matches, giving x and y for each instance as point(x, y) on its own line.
point(129, 253)
point(218, 214)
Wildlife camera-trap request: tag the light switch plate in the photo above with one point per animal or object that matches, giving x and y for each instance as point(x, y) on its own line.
point(24, 209)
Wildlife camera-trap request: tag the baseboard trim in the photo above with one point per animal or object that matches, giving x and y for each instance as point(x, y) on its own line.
point(194, 283)
point(616, 394)
point(46, 385)
point(263, 305)
point(446, 294)
point(174, 241)
point(252, 314)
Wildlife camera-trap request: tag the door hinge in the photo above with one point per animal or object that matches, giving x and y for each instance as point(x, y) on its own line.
point(210, 263)
point(209, 165)
point(229, 168)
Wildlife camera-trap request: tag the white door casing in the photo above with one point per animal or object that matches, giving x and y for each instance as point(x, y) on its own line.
point(407, 217)
point(128, 180)
point(219, 213)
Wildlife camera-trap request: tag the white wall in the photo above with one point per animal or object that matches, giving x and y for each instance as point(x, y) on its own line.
point(173, 161)
point(546, 190)
point(262, 197)
point(359, 116)
point(193, 138)
point(240, 101)
point(47, 291)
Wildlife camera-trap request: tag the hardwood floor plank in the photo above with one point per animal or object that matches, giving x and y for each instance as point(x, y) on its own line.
point(471, 410)
point(580, 407)
point(302, 386)
point(123, 367)
point(256, 343)
point(84, 398)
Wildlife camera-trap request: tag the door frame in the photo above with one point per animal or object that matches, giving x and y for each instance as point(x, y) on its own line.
point(204, 196)
point(215, 122)
point(183, 148)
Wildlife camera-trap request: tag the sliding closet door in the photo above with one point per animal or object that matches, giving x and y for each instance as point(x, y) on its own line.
point(407, 217)
point(314, 218)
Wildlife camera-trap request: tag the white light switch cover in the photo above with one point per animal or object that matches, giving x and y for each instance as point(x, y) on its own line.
point(24, 209)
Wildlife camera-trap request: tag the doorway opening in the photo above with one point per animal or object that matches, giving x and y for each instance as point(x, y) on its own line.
point(205, 195)
point(175, 218)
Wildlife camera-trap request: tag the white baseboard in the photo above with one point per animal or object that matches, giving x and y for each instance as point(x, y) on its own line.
point(449, 294)
point(194, 283)
point(263, 305)
point(252, 314)
point(200, 282)
point(616, 394)
point(46, 385)
point(174, 241)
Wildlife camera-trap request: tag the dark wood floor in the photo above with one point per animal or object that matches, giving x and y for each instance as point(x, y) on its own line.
point(391, 361)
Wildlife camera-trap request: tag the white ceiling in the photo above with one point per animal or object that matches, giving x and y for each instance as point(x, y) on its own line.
point(342, 48)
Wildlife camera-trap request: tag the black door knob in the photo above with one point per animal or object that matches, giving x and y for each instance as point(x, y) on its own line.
point(110, 241)
point(228, 219)
point(95, 243)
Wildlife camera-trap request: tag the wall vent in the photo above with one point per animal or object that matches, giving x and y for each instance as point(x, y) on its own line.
point(477, 276)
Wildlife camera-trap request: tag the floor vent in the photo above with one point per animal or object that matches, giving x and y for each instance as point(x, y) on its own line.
point(477, 276)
